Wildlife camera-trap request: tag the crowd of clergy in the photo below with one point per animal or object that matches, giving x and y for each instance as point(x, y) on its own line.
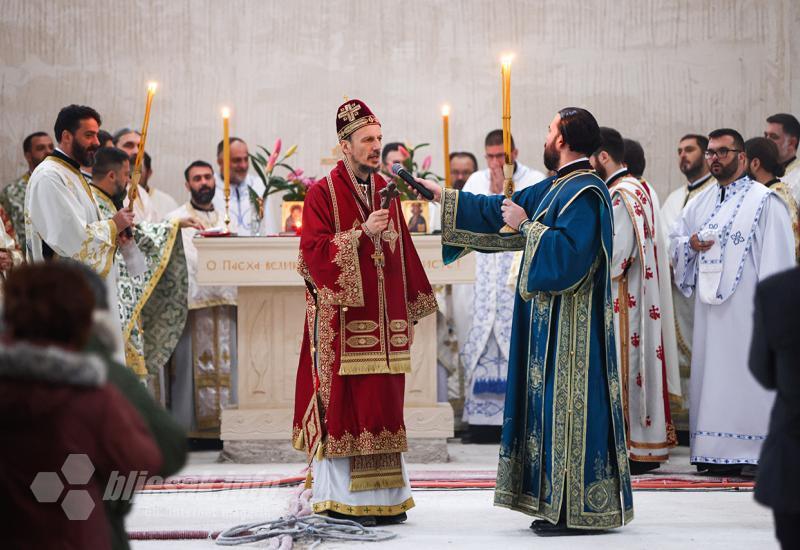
point(684, 270)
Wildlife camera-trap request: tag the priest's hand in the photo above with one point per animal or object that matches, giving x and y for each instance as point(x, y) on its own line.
point(513, 214)
point(6, 260)
point(699, 245)
point(190, 221)
point(431, 186)
point(377, 222)
point(496, 180)
point(123, 219)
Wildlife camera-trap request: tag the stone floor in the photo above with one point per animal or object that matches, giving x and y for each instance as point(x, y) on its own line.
point(465, 518)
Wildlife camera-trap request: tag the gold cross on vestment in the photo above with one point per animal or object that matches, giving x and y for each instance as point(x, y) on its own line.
point(377, 257)
point(349, 112)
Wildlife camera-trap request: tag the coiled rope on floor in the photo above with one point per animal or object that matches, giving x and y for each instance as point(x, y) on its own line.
point(314, 527)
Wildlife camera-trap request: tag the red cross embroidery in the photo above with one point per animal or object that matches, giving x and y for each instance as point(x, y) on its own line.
point(655, 313)
point(648, 273)
point(639, 379)
point(637, 209)
point(631, 300)
point(635, 339)
point(616, 305)
point(660, 353)
point(647, 421)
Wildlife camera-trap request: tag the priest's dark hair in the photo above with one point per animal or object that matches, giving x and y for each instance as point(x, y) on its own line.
point(789, 123)
point(47, 303)
point(611, 142)
point(104, 137)
point(579, 129)
point(765, 151)
point(221, 143)
point(634, 157)
point(738, 140)
point(702, 141)
point(27, 143)
point(495, 137)
point(108, 159)
point(466, 154)
point(197, 164)
point(69, 118)
point(390, 148)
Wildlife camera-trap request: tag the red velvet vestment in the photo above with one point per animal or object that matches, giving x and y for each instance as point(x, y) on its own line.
point(361, 303)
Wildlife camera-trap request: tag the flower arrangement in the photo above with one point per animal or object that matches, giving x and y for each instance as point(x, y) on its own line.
point(421, 171)
point(291, 183)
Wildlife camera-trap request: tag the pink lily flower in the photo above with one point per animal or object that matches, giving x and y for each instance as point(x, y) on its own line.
point(404, 152)
point(277, 149)
point(426, 164)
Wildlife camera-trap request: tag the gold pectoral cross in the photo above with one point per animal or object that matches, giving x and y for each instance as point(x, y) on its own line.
point(377, 257)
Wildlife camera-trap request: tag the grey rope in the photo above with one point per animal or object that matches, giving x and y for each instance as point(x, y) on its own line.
point(314, 527)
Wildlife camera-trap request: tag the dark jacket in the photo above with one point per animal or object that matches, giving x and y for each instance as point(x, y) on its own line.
point(54, 404)
point(775, 362)
point(168, 435)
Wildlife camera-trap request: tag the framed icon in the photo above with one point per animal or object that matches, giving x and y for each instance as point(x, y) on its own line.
point(417, 216)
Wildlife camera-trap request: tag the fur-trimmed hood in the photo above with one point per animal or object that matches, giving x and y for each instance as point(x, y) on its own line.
point(37, 383)
point(23, 361)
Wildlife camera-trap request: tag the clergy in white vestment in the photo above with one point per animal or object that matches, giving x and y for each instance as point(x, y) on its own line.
point(61, 216)
point(483, 311)
point(784, 130)
point(205, 360)
point(692, 164)
point(728, 238)
point(764, 167)
point(243, 211)
point(646, 352)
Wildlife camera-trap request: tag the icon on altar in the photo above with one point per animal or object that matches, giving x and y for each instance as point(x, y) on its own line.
point(416, 215)
point(292, 216)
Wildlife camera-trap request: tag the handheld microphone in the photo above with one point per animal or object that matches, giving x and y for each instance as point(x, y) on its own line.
point(398, 170)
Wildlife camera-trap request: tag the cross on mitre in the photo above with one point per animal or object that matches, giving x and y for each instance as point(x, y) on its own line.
point(349, 112)
point(388, 193)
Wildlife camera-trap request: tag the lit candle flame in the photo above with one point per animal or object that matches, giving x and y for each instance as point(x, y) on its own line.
point(506, 60)
point(151, 87)
point(446, 110)
point(226, 113)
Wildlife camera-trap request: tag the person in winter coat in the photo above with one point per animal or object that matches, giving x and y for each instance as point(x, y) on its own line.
point(65, 430)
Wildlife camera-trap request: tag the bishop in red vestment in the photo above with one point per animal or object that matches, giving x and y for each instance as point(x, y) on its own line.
point(366, 289)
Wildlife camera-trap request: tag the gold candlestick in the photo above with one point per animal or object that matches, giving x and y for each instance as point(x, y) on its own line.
point(448, 181)
point(226, 164)
point(133, 190)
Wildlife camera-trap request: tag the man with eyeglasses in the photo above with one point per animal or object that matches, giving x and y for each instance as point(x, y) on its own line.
point(728, 238)
point(784, 130)
point(489, 303)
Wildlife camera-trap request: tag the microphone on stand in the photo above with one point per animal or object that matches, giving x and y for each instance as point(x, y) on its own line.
point(398, 170)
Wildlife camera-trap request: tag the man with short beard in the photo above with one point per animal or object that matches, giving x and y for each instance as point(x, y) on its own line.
point(729, 237)
point(61, 216)
point(365, 290)
point(784, 130)
point(692, 165)
point(204, 381)
point(36, 147)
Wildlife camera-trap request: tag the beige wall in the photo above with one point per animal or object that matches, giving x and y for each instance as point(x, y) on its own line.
point(654, 69)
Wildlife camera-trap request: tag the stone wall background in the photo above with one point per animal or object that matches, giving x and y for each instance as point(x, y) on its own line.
point(654, 69)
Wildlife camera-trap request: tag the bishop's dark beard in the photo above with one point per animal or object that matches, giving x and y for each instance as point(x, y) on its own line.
point(84, 155)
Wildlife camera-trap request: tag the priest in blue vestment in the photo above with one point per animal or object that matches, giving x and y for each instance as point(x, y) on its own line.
point(562, 453)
